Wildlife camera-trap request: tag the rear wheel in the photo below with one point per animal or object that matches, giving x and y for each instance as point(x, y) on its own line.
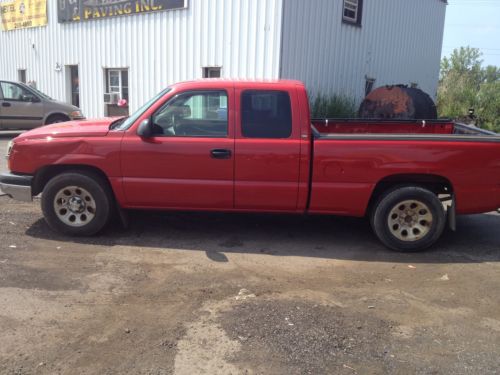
point(77, 203)
point(408, 219)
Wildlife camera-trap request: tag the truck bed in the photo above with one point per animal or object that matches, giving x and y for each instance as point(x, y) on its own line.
point(324, 128)
point(350, 156)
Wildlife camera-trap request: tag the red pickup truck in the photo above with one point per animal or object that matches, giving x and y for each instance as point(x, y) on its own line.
point(252, 147)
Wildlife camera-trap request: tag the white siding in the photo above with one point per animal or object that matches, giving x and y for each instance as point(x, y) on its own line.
point(243, 37)
point(400, 41)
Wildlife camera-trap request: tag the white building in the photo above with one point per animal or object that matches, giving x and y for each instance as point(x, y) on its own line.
point(334, 46)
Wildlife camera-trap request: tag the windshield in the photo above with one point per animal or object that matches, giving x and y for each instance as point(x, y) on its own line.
point(125, 123)
point(41, 93)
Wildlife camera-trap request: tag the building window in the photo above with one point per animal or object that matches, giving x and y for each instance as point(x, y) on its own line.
point(352, 11)
point(117, 90)
point(369, 83)
point(21, 75)
point(118, 82)
point(212, 72)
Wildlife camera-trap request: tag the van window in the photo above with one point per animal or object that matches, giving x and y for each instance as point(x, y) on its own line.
point(266, 114)
point(14, 92)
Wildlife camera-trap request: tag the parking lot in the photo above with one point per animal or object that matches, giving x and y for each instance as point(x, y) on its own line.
point(192, 293)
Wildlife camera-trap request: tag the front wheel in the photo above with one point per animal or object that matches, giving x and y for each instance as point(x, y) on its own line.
point(76, 203)
point(408, 219)
point(55, 119)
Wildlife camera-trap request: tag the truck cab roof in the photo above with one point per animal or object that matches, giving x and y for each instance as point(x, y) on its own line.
point(237, 83)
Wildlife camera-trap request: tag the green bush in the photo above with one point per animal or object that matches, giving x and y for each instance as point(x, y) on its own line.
point(488, 106)
point(333, 106)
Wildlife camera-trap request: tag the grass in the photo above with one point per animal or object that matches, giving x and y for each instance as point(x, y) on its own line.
point(333, 106)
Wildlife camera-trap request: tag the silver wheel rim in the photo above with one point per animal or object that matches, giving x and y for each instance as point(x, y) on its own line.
point(74, 206)
point(410, 220)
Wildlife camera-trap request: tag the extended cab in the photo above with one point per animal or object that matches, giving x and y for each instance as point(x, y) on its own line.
point(243, 146)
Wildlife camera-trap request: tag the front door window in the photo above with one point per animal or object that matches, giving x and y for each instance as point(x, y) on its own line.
point(193, 114)
point(14, 92)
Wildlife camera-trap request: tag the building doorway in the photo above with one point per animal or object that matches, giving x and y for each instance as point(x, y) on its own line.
point(74, 85)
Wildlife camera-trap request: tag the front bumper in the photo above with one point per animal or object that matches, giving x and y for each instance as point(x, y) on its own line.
point(77, 118)
point(16, 186)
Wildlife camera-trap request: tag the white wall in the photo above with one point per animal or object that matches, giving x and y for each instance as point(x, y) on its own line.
point(158, 48)
point(400, 41)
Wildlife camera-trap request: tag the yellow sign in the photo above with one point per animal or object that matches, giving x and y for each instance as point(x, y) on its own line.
point(20, 14)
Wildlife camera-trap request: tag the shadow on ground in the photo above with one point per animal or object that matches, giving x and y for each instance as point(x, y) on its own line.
point(477, 238)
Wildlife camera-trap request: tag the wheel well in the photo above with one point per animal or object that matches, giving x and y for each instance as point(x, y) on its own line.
point(437, 184)
point(45, 174)
point(56, 115)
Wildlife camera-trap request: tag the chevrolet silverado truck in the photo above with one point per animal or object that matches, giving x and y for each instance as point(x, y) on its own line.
point(239, 146)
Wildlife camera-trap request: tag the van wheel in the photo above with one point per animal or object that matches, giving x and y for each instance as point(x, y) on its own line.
point(77, 203)
point(54, 119)
point(408, 219)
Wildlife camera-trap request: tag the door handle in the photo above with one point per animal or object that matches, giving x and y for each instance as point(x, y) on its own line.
point(219, 153)
point(6, 104)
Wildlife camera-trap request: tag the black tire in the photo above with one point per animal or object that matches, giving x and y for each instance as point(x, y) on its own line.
point(390, 209)
point(54, 119)
point(94, 188)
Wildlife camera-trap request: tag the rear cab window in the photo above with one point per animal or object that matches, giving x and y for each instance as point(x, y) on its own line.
point(266, 114)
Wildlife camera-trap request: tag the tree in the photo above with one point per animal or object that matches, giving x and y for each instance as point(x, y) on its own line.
point(491, 74)
point(464, 84)
point(489, 105)
point(465, 61)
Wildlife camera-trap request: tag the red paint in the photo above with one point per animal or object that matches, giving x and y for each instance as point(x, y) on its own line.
point(346, 171)
point(271, 175)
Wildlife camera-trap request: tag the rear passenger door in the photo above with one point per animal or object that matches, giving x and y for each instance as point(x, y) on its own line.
point(267, 150)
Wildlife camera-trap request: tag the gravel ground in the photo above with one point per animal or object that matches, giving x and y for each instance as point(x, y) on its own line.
point(305, 338)
point(244, 294)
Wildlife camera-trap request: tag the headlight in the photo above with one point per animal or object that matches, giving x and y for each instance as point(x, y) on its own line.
point(9, 148)
point(76, 114)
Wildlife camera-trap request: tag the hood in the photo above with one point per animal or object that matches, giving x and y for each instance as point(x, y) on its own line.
point(62, 106)
point(83, 128)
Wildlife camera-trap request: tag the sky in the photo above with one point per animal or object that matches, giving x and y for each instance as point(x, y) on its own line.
point(474, 23)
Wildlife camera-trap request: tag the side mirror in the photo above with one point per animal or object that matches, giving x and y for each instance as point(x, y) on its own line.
point(30, 98)
point(145, 129)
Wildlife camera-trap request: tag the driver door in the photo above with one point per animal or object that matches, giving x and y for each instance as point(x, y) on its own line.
point(188, 163)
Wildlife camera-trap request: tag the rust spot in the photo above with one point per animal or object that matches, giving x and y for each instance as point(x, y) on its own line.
point(398, 102)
